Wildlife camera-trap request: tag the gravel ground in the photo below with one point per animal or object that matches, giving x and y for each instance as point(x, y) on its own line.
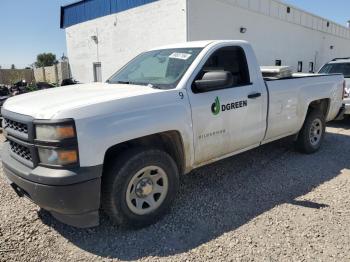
point(269, 204)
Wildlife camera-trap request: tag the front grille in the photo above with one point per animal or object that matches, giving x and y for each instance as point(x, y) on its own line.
point(16, 126)
point(21, 151)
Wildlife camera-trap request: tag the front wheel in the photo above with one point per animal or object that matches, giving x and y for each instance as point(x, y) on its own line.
point(139, 187)
point(312, 133)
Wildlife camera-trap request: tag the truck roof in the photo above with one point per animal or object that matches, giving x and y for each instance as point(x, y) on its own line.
point(199, 44)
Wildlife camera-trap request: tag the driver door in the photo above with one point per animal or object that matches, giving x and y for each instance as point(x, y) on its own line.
point(227, 120)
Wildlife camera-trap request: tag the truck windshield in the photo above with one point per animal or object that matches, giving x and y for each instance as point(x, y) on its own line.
point(160, 68)
point(336, 68)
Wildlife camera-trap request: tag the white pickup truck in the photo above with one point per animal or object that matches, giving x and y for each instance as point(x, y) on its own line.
point(120, 146)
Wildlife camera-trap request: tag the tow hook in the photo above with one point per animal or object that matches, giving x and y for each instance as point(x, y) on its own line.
point(18, 190)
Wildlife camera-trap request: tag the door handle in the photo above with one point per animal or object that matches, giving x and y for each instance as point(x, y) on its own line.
point(255, 95)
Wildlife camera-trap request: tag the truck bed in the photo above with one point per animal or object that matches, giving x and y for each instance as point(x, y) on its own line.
point(288, 98)
point(298, 76)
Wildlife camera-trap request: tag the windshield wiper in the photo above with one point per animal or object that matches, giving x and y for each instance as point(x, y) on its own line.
point(140, 84)
point(130, 83)
point(154, 86)
point(124, 82)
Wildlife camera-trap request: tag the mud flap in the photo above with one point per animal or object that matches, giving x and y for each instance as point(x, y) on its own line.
point(340, 115)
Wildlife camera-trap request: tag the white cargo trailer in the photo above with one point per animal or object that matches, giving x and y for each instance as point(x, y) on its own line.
point(98, 43)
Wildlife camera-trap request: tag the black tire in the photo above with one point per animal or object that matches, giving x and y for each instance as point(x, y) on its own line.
point(304, 142)
point(119, 174)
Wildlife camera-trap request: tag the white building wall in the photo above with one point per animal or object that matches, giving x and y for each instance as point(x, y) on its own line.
point(274, 34)
point(121, 36)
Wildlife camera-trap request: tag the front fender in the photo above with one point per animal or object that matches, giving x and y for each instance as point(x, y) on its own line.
point(97, 134)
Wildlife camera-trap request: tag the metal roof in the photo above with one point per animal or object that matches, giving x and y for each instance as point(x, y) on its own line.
point(86, 10)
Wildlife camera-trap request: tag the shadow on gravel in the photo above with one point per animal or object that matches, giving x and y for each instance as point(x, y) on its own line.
point(220, 198)
point(343, 124)
point(308, 204)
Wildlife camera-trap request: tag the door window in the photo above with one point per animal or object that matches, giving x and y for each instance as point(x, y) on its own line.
point(300, 66)
point(97, 72)
point(229, 59)
point(311, 67)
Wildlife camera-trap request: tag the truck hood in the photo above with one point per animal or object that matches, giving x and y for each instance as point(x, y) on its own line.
point(45, 104)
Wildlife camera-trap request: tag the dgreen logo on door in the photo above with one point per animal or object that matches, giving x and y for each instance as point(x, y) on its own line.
point(215, 107)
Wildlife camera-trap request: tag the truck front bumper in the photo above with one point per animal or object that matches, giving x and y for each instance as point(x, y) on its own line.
point(76, 203)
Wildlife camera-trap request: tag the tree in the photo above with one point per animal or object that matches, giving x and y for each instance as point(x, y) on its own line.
point(45, 59)
point(13, 66)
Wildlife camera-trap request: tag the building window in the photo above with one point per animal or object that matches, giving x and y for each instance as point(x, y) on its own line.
point(97, 72)
point(300, 66)
point(288, 9)
point(278, 62)
point(311, 67)
point(327, 24)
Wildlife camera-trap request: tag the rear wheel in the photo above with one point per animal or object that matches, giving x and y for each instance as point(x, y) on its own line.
point(139, 187)
point(311, 136)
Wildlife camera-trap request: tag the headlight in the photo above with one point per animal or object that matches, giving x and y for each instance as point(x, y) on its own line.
point(58, 157)
point(56, 142)
point(54, 132)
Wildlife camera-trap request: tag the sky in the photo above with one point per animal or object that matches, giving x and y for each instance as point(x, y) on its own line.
point(30, 27)
point(335, 10)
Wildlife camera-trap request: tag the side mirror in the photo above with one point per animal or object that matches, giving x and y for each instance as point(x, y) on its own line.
point(214, 80)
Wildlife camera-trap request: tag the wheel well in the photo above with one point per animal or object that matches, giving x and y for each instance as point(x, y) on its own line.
point(321, 104)
point(170, 142)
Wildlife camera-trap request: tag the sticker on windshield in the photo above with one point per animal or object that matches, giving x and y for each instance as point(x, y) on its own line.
point(182, 56)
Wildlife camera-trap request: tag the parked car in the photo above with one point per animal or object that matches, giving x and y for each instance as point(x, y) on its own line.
point(22, 87)
point(4, 91)
point(120, 146)
point(19, 87)
point(44, 85)
point(340, 66)
point(4, 95)
point(68, 82)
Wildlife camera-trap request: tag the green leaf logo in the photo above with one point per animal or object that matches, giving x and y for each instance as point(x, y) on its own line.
point(215, 107)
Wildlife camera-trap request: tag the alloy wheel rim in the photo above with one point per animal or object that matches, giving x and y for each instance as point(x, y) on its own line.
point(316, 131)
point(147, 190)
